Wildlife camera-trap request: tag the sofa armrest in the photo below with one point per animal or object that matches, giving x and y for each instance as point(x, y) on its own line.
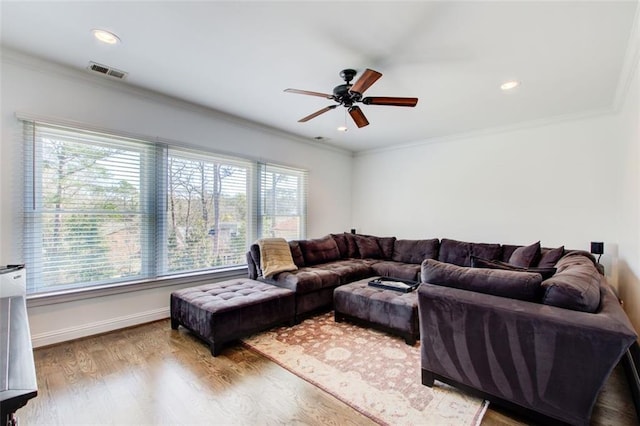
point(547, 359)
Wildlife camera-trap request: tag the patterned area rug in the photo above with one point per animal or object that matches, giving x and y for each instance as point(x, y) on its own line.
point(373, 372)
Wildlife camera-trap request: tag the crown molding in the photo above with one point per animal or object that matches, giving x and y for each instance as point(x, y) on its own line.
point(42, 65)
point(525, 125)
point(630, 64)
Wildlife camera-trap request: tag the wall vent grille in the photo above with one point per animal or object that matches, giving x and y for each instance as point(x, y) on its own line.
point(108, 71)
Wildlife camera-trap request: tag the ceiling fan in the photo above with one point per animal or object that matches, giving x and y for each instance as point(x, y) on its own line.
point(348, 94)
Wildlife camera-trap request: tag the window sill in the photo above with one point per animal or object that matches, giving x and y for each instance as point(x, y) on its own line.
point(63, 296)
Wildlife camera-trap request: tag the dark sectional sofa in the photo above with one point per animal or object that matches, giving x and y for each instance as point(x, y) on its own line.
point(534, 329)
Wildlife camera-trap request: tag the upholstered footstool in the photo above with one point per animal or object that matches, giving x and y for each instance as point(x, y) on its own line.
point(390, 310)
point(225, 311)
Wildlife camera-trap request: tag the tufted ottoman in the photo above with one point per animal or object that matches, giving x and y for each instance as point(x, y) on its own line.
point(390, 310)
point(224, 311)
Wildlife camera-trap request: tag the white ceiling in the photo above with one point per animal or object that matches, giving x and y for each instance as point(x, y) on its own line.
point(238, 57)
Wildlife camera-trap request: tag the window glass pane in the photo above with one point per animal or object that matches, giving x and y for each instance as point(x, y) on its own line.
point(102, 209)
point(207, 212)
point(282, 202)
point(84, 228)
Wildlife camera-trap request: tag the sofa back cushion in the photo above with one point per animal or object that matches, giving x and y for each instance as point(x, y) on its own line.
point(455, 252)
point(368, 247)
point(575, 286)
point(460, 252)
point(486, 251)
point(296, 253)
point(511, 284)
point(346, 245)
point(320, 250)
point(415, 251)
point(478, 262)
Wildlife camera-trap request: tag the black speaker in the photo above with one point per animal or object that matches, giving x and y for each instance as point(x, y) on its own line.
point(597, 247)
point(353, 230)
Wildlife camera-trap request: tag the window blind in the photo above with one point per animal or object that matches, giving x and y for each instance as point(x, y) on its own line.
point(102, 209)
point(87, 205)
point(206, 219)
point(282, 196)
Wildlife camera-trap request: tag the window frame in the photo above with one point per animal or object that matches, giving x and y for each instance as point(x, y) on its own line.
point(157, 248)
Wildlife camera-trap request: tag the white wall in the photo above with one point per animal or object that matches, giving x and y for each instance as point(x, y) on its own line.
point(628, 262)
point(565, 183)
point(36, 87)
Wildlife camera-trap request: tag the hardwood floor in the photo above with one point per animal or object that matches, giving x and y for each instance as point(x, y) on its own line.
point(153, 375)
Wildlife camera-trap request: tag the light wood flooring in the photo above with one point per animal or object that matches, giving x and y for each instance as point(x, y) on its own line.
point(152, 375)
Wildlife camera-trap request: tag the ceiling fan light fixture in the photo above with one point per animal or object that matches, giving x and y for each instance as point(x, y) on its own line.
point(509, 85)
point(342, 128)
point(105, 36)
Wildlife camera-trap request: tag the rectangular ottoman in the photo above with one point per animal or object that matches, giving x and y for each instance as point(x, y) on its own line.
point(228, 310)
point(390, 310)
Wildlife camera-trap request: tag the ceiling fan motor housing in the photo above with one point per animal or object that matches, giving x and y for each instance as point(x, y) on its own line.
point(342, 95)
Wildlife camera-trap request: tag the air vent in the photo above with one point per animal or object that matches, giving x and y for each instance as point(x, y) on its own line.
point(108, 71)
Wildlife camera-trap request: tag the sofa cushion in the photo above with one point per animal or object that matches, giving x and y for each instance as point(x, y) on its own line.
point(511, 284)
point(254, 251)
point(346, 245)
point(507, 251)
point(486, 251)
point(478, 262)
point(526, 256)
point(455, 252)
point(415, 251)
point(368, 247)
point(549, 257)
point(296, 253)
point(575, 286)
point(386, 245)
point(404, 271)
point(320, 250)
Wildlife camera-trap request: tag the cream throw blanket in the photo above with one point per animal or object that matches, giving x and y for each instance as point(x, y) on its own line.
point(275, 256)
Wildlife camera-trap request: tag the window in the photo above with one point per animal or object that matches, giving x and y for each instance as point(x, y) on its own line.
point(282, 202)
point(102, 209)
point(207, 211)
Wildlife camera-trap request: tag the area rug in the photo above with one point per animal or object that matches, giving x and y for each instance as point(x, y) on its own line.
point(375, 373)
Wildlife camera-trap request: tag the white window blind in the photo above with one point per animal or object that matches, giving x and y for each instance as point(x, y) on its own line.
point(282, 198)
point(102, 209)
point(206, 220)
point(88, 206)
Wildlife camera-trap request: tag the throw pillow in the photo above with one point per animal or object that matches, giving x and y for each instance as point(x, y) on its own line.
point(526, 256)
point(320, 250)
point(511, 284)
point(550, 257)
point(478, 262)
point(576, 286)
point(386, 246)
point(368, 247)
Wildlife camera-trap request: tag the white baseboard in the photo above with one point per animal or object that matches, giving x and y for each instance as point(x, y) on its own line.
point(89, 329)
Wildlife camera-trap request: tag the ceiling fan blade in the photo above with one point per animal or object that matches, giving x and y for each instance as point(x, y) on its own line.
point(365, 81)
point(358, 116)
point(381, 100)
point(317, 113)
point(307, 92)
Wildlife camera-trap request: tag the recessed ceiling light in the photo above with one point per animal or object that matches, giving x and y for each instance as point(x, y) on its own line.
point(509, 85)
point(106, 36)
